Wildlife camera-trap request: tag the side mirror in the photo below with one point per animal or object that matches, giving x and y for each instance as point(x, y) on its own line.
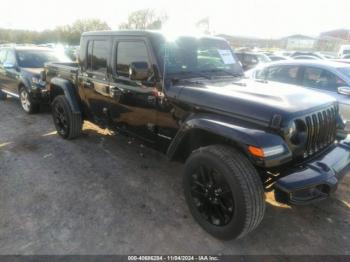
point(8, 66)
point(139, 71)
point(344, 90)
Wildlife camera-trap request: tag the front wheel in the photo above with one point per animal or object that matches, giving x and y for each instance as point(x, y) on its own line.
point(223, 191)
point(26, 102)
point(67, 123)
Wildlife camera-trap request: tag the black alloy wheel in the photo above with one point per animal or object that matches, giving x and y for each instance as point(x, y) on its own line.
point(212, 195)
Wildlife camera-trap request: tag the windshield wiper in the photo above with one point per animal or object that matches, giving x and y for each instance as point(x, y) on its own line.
point(175, 80)
point(193, 73)
point(224, 71)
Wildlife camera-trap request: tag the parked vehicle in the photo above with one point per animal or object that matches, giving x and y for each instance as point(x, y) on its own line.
point(344, 50)
point(345, 56)
point(308, 55)
point(250, 60)
point(328, 77)
point(20, 68)
point(305, 57)
point(274, 57)
point(346, 61)
point(187, 97)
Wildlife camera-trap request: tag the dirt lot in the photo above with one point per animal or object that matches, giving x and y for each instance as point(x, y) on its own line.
point(104, 194)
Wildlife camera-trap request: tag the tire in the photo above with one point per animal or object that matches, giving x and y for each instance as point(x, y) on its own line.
point(223, 191)
point(3, 95)
point(26, 102)
point(68, 124)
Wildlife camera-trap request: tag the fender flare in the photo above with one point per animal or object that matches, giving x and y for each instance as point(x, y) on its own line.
point(25, 83)
point(69, 91)
point(238, 134)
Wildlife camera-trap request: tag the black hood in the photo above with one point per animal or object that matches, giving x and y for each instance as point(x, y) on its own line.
point(252, 100)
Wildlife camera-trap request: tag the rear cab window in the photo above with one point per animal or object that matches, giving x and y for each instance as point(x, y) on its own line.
point(97, 58)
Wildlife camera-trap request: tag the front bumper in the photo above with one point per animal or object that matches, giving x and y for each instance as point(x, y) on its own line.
point(317, 179)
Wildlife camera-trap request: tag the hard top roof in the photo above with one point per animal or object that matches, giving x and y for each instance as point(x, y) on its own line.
point(142, 33)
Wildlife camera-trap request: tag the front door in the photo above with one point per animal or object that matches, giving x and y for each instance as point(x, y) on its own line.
point(134, 106)
point(321, 80)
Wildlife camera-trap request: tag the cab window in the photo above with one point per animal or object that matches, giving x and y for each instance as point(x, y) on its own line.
point(97, 53)
point(283, 74)
point(130, 52)
point(321, 79)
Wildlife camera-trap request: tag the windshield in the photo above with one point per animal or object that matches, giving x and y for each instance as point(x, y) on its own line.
point(345, 71)
point(189, 55)
point(37, 59)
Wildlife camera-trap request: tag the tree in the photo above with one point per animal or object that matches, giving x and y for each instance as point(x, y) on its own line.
point(144, 19)
point(70, 34)
point(67, 34)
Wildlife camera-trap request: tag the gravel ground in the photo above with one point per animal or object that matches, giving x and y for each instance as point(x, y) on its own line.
point(107, 194)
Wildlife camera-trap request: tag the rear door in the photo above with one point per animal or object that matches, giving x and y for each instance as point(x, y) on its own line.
point(3, 53)
point(11, 75)
point(94, 82)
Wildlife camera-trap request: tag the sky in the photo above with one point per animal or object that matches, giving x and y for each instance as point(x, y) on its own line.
point(258, 18)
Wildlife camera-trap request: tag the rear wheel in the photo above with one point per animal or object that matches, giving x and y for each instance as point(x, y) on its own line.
point(68, 124)
point(224, 191)
point(26, 102)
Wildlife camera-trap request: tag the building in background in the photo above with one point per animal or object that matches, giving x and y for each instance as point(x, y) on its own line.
point(333, 40)
point(343, 34)
point(251, 42)
point(329, 43)
point(298, 42)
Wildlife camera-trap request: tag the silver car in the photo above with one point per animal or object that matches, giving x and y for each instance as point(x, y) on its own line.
point(332, 78)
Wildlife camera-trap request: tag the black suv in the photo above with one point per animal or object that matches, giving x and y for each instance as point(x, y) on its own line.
point(20, 69)
point(186, 96)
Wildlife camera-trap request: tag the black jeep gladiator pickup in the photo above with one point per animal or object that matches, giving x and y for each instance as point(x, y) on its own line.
point(186, 96)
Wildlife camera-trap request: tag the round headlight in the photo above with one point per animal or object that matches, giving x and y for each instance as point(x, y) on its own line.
point(297, 132)
point(292, 129)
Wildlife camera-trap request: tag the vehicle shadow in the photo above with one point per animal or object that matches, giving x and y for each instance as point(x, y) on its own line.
point(132, 195)
point(320, 228)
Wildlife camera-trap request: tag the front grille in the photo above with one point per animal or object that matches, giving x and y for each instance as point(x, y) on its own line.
point(321, 130)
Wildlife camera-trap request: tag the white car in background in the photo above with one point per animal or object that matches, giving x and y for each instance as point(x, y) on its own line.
point(344, 50)
point(324, 76)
